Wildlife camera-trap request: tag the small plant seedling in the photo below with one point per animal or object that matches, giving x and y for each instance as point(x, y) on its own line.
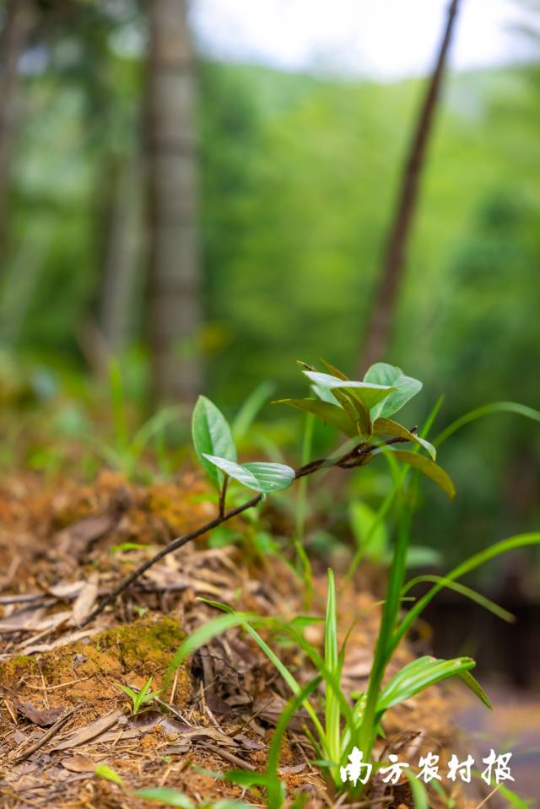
point(142, 697)
point(362, 410)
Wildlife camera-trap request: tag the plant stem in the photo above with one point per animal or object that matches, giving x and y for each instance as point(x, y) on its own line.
point(301, 512)
point(177, 543)
point(223, 496)
point(385, 646)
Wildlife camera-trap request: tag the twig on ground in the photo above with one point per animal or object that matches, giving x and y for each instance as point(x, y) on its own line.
point(43, 739)
point(230, 757)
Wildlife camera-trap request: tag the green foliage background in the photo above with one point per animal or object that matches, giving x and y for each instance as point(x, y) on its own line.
point(298, 178)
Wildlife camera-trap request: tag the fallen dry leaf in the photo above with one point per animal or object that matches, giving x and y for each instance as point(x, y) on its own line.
point(86, 599)
point(78, 763)
point(90, 731)
point(43, 718)
point(30, 647)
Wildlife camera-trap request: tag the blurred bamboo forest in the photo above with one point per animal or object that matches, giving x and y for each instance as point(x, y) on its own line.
point(297, 177)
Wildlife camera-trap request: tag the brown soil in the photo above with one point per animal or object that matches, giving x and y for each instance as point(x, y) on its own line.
point(61, 709)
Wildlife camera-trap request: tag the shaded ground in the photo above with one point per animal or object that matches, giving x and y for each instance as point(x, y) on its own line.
point(61, 709)
point(513, 726)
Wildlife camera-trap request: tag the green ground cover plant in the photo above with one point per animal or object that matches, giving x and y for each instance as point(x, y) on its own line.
point(363, 411)
point(140, 697)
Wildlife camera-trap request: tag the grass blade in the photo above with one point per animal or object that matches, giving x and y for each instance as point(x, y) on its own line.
point(486, 410)
point(419, 675)
point(505, 545)
point(468, 592)
point(250, 409)
point(331, 659)
point(275, 789)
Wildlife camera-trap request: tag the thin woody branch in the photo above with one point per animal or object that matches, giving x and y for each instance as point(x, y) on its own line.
point(358, 456)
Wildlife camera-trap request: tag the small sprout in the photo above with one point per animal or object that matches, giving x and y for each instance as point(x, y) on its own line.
point(142, 697)
point(103, 771)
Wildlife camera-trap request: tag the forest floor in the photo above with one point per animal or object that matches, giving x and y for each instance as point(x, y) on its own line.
point(62, 711)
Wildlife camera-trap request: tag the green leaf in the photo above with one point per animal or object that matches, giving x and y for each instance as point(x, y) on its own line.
point(276, 791)
point(360, 410)
point(246, 778)
point(165, 796)
point(333, 370)
point(418, 790)
point(211, 436)
point(405, 388)
point(462, 589)
point(102, 771)
point(263, 477)
point(428, 468)
point(514, 799)
point(418, 675)
point(129, 691)
point(329, 413)
point(369, 531)
point(331, 660)
point(250, 409)
point(472, 683)
point(203, 635)
point(505, 545)
point(324, 394)
point(366, 392)
point(384, 426)
point(353, 408)
point(423, 556)
point(487, 410)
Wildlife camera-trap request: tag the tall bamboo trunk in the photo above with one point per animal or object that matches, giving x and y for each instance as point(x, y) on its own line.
point(391, 276)
point(121, 220)
point(16, 26)
point(173, 269)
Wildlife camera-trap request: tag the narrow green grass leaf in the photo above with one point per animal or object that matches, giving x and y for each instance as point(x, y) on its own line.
point(203, 635)
point(384, 644)
point(468, 592)
point(478, 559)
point(331, 659)
point(514, 799)
point(166, 797)
point(155, 425)
point(129, 691)
point(472, 683)
point(417, 676)
point(276, 792)
point(487, 410)
point(419, 792)
point(228, 803)
point(245, 778)
point(250, 409)
point(103, 771)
